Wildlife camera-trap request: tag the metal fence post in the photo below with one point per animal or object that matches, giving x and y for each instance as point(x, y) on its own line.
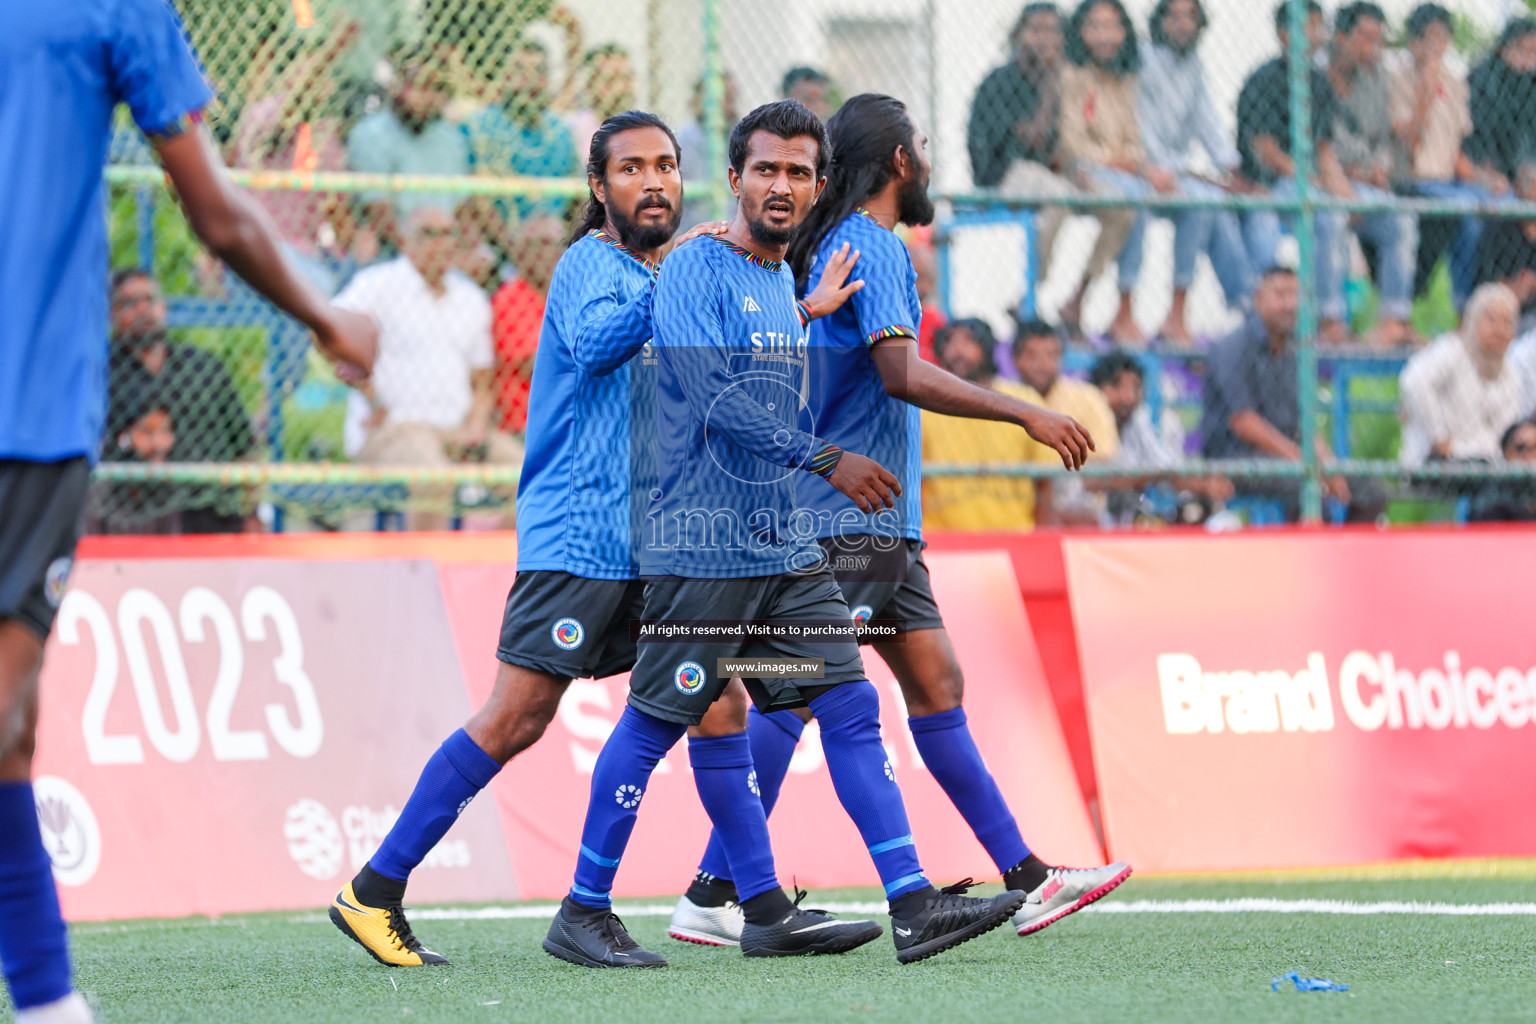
point(714, 107)
point(1298, 71)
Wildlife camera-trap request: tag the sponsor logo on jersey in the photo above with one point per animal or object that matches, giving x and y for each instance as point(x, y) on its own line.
point(568, 634)
point(689, 678)
point(749, 305)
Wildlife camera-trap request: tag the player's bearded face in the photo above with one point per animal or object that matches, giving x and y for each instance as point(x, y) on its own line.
point(913, 207)
point(640, 231)
point(775, 219)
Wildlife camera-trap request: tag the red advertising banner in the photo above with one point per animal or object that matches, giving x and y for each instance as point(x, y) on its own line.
point(543, 793)
point(233, 735)
point(1309, 698)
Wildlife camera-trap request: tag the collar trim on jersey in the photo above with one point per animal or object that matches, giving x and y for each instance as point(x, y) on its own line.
point(865, 213)
point(750, 257)
point(604, 236)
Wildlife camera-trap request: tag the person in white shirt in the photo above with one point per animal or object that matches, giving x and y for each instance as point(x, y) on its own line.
point(1460, 394)
point(430, 400)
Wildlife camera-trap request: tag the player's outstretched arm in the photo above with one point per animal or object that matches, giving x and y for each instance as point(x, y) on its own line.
point(908, 376)
point(239, 232)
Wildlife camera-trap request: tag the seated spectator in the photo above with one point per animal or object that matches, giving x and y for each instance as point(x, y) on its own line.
point(517, 311)
point(1264, 144)
point(1507, 501)
point(1100, 135)
point(607, 77)
point(194, 388)
point(924, 263)
point(1460, 394)
point(519, 135)
point(1503, 106)
point(1037, 357)
point(1367, 150)
point(1175, 108)
point(429, 401)
point(1506, 251)
point(149, 507)
point(1432, 118)
point(410, 136)
point(964, 348)
point(810, 86)
point(1251, 408)
point(1014, 141)
point(1119, 376)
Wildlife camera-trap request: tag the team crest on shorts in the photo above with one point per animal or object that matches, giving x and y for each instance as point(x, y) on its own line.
point(567, 634)
point(862, 614)
point(55, 579)
point(689, 677)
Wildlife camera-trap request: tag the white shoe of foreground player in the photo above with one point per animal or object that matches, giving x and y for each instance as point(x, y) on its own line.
point(1065, 891)
point(72, 1009)
point(708, 926)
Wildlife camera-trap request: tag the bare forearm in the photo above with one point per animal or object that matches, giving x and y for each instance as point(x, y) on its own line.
point(484, 400)
point(1257, 432)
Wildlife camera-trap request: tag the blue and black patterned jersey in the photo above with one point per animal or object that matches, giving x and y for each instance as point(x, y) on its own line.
point(848, 403)
point(573, 500)
point(731, 388)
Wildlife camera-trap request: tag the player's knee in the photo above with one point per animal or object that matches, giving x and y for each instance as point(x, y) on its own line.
point(940, 692)
point(727, 715)
point(847, 708)
point(520, 708)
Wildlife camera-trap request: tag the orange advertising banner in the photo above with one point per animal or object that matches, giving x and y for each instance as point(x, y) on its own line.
point(1309, 698)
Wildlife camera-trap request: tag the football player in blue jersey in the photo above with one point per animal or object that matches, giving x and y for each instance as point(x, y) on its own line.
point(732, 573)
point(576, 590)
point(63, 70)
point(867, 385)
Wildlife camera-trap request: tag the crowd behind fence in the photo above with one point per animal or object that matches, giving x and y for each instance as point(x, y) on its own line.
point(1280, 261)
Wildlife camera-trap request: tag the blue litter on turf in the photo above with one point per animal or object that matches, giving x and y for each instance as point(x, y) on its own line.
point(1308, 984)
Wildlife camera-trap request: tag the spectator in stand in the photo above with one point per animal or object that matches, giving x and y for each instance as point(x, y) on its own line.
point(1176, 111)
point(1037, 357)
point(924, 263)
point(1251, 408)
point(964, 348)
point(193, 387)
point(517, 314)
point(1460, 394)
point(1014, 140)
point(147, 435)
point(1503, 103)
point(429, 401)
point(410, 136)
point(1506, 252)
point(607, 88)
point(1507, 501)
point(1100, 135)
point(1432, 118)
point(1264, 143)
point(1367, 149)
point(1120, 377)
point(812, 87)
point(519, 135)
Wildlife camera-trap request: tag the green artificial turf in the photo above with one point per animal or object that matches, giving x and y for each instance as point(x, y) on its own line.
point(1090, 967)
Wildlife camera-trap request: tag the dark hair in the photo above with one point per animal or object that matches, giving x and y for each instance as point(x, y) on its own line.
point(1276, 270)
point(1505, 439)
point(862, 135)
point(1155, 22)
point(794, 76)
point(597, 162)
point(1029, 11)
point(122, 277)
point(980, 332)
point(1126, 61)
point(1031, 328)
point(1108, 368)
point(788, 119)
point(1347, 17)
point(1425, 15)
point(1514, 29)
point(1283, 14)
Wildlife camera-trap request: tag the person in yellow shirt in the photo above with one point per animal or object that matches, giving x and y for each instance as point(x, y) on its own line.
point(965, 348)
point(1037, 357)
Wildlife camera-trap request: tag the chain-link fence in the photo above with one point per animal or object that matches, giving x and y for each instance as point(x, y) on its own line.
point(1116, 185)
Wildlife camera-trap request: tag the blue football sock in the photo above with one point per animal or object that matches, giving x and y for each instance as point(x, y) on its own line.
point(850, 735)
point(944, 741)
point(455, 772)
point(34, 948)
point(619, 778)
point(773, 737)
point(722, 769)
